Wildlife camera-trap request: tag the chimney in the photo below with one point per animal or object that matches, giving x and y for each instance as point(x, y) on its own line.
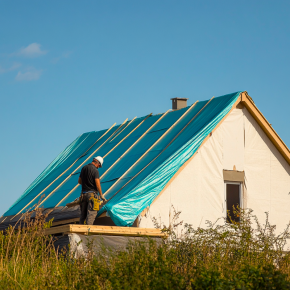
point(179, 103)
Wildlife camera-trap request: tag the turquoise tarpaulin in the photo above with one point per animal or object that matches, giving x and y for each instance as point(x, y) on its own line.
point(141, 156)
point(126, 205)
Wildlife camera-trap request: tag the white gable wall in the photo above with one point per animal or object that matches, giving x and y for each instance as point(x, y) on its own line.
point(197, 190)
point(267, 176)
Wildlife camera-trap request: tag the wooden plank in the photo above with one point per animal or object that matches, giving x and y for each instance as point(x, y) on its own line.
point(266, 126)
point(68, 194)
point(63, 222)
point(189, 160)
point(127, 134)
point(133, 144)
point(165, 146)
point(104, 214)
point(57, 230)
point(90, 156)
point(123, 129)
point(147, 151)
point(104, 230)
point(62, 173)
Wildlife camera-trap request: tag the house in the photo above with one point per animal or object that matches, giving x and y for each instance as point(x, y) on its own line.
point(201, 159)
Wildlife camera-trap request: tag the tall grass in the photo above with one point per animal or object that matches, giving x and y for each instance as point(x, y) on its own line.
point(244, 255)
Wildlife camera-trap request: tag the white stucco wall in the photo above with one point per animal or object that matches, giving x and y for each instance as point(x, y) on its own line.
point(198, 189)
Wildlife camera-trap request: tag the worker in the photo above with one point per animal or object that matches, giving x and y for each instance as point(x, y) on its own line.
point(91, 191)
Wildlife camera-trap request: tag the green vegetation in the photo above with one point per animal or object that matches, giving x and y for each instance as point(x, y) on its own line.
point(246, 255)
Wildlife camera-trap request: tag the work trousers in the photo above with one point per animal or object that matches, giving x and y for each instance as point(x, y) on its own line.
point(88, 213)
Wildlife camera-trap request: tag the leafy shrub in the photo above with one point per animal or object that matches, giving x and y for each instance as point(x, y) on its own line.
point(244, 255)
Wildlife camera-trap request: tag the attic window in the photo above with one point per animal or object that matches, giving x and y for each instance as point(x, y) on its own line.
point(233, 200)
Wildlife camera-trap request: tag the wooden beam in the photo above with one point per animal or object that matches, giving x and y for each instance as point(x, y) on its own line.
point(104, 214)
point(63, 172)
point(90, 156)
point(165, 146)
point(238, 101)
point(104, 230)
point(63, 222)
point(150, 128)
point(147, 151)
point(266, 126)
point(68, 194)
point(123, 129)
point(246, 100)
point(127, 135)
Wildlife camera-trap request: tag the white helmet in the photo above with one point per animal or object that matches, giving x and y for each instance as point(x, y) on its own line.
point(100, 159)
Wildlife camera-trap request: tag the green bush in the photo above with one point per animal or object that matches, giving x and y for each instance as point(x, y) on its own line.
point(244, 255)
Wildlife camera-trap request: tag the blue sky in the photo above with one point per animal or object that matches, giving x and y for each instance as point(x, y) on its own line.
point(69, 67)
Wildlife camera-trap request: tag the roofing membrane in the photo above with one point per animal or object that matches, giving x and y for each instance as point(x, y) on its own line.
point(140, 157)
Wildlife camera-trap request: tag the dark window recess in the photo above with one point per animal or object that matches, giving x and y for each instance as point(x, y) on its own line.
point(233, 199)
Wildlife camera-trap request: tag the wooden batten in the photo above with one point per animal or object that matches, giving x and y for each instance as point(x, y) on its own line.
point(146, 152)
point(62, 172)
point(244, 100)
point(75, 170)
point(104, 230)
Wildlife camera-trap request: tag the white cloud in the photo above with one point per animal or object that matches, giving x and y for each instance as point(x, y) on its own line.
point(64, 55)
point(32, 50)
point(14, 66)
point(30, 74)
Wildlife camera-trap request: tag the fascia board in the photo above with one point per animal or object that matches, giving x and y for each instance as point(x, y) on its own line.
point(266, 126)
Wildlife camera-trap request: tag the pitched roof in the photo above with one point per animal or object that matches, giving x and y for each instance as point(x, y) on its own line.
point(140, 155)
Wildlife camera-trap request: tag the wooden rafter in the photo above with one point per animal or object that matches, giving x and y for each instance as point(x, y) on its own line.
point(77, 185)
point(165, 146)
point(247, 101)
point(150, 128)
point(63, 172)
point(90, 156)
point(148, 150)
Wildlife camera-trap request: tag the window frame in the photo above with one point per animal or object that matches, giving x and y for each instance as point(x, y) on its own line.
point(225, 195)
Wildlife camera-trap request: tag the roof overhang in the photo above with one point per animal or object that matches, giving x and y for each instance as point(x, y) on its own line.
point(248, 102)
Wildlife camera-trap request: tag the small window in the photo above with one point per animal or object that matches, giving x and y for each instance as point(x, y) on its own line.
point(233, 199)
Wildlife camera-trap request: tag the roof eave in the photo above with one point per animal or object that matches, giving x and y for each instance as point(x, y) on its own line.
point(247, 101)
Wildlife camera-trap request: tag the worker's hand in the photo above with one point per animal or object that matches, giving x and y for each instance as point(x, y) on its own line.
point(104, 199)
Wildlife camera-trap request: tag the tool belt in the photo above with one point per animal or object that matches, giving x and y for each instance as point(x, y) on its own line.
point(91, 195)
point(96, 201)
